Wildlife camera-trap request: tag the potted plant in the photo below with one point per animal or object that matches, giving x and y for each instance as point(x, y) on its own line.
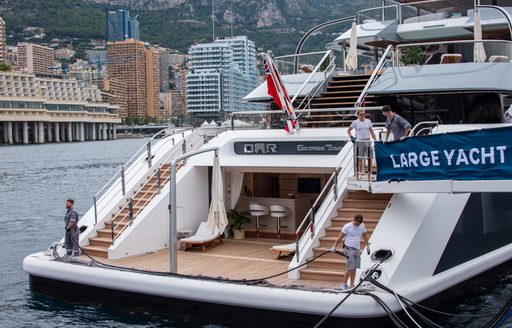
point(237, 220)
point(412, 56)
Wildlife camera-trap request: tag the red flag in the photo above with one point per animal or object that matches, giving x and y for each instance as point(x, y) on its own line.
point(276, 88)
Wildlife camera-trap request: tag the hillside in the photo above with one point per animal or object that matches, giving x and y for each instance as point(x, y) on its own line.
point(272, 24)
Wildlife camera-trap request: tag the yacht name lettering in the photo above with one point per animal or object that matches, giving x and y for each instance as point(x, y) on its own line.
point(326, 147)
point(452, 157)
point(260, 148)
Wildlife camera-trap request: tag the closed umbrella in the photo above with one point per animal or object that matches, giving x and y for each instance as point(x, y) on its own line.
point(478, 51)
point(351, 59)
point(217, 214)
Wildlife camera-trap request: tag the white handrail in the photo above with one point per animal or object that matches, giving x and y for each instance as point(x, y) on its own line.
point(372, 77)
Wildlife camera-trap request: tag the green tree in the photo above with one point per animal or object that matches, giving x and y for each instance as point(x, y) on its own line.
point(5, 67)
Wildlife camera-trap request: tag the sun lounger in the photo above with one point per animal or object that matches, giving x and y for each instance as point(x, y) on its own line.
point(204, 237)
point(284, 250)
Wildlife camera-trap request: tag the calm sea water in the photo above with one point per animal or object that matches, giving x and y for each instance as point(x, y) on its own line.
point(35, 181)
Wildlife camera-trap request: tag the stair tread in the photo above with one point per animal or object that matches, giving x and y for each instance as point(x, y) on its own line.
point(105, 239)
point(95, 248)
point(324, 271)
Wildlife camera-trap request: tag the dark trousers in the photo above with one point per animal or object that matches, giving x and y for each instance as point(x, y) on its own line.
point(71, 241)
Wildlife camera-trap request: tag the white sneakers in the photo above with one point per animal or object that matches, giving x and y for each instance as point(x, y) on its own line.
point(345, 287)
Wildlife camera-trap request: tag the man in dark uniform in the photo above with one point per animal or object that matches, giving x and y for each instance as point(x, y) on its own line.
point(72, 232)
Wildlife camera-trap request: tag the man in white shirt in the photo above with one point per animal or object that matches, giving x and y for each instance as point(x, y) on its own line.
point(363, 129)
point(352, 233)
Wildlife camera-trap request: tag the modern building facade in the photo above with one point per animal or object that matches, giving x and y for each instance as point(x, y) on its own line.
point(138, 67)
point(36, 59)
point(3, 48)
point(120, 26)
point(39, 110)
point(114, 92)
point(221, 74)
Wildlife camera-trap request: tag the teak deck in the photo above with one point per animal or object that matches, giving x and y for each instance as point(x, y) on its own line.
point(234, 259)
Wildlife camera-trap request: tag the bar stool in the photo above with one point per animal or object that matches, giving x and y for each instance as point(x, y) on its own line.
point(258, 210)
point(278, 212)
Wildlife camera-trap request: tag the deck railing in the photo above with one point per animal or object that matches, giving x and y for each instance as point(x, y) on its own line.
point(329, 195)
point(192, 143)
point(116, 186)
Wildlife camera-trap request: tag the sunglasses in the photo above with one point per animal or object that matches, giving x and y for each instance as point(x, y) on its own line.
point(361, 114)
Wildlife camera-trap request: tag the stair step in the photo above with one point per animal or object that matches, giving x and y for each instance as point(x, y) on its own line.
point(107, 233)
point(329, 263)
point(322, 274)
point(358, 87)
point(351, 77)
point(104, 242)
point(343, 97)
point(366, 213)
point(96, 251)
point(347, 103)
point(366, 195)
point(347, 81)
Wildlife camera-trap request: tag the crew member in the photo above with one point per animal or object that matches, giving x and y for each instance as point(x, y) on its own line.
point(352, 233)
point(72, 231)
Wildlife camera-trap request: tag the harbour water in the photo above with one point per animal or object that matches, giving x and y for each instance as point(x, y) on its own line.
point(35, 181)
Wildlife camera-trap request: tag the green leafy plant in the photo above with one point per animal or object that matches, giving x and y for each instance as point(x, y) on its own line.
point(237, 219)
point(412, 55)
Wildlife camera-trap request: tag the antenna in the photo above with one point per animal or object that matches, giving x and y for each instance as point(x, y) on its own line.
point(213, 20)
point(231, 14)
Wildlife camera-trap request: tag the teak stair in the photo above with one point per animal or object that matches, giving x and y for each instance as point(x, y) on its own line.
point(98, 246)
point(331, 267)
point(341, 92)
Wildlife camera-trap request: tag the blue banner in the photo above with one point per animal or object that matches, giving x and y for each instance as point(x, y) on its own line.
point(484, 154)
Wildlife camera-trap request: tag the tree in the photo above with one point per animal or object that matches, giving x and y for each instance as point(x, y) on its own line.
point(4, 67)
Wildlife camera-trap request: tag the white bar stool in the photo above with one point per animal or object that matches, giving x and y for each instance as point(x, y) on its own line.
point(278, 212)
point(258, 210)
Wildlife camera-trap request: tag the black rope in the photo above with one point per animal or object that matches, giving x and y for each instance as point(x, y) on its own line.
point(346, 296)
point(403, 298)
point(500, 317)
point(399, 323)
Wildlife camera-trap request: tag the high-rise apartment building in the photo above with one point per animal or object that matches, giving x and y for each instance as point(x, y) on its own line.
point(35, 58)
point(3, 48)
point(121, 27)
point(138, 67)
point(114, 92)
point(221, 74)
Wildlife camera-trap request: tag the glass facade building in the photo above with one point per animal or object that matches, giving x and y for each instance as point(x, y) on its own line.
point(120, 26)
point(221, 74)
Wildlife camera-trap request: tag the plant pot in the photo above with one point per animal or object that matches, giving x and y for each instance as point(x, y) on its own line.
point(238, 234)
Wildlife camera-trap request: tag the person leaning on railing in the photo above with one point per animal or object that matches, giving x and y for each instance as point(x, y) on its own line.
point(395, 124)
point(363, 129)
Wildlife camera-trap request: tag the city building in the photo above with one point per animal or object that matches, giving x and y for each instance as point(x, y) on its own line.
point(114, 92)
point(138, 67)
point(11, 57)
point(3, 48)
point(36, 59)
point(121, 27)
point(64, 53)
point(180, 83)
point(172, 103)
point(39, 110)
point(221, 74)
point(169, 61)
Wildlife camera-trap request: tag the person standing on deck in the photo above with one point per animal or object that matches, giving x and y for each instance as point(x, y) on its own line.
point(363, 129)
point(396, 124)
point(352, 232)
point(72, 232)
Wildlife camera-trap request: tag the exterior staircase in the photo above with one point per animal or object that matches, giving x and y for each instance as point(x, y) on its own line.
point(331, 267)
point(98, 246)
point(342, 91)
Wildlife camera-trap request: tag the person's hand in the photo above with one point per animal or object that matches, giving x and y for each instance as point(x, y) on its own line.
point(332, 249)
point(353, 139)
